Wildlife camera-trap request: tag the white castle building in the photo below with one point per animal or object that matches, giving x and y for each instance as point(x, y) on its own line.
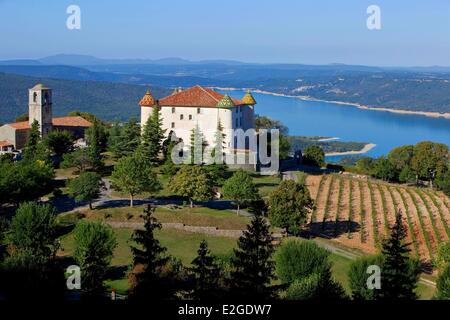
point(184, 110)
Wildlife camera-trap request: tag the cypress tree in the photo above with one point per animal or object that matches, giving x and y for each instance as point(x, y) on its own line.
point(148, 280)
point(253, 267)
point(152, 137)
point(219, 145)
point(95, 135)
point(399, 272)
point(205, 275)
point(198, 145)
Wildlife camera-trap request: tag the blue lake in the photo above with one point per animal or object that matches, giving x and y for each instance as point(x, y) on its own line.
point(385, 129)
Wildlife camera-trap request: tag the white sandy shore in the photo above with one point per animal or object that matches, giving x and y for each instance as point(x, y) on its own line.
point(366, 149)
point(329, 139)
point(445, 115)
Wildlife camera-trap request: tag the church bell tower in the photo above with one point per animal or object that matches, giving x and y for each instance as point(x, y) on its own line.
point(40, 108)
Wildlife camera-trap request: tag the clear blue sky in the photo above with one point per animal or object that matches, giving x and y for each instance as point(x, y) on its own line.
point(414, 32)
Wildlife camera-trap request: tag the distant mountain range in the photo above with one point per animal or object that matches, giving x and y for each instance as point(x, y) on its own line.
point(110, 101)
point(414, 89)
point(85, 60)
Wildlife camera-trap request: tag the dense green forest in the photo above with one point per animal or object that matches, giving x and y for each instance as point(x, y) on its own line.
point(109, 100)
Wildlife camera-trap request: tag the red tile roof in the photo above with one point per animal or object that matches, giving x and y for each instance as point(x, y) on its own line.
point(71, 122)
point(6, 143)
point(57, 122)
point(195, 97)
point(20, 125)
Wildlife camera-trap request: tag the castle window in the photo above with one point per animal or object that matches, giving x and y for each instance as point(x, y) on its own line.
point(181, 117)
point(190, 117)
point(199, 110)
point(173, 110)
point(173, 125)
point(34, 97)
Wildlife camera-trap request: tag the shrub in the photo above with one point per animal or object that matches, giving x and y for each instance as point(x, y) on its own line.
point(296, 259)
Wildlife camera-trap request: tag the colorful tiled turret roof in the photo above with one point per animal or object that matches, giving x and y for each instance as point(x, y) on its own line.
point(248, 99)
point(226, 102)
point(147, 100)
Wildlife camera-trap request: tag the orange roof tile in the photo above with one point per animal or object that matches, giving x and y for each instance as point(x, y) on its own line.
point(20, 125)
point(71, 122)
point(196, 97)
point(57, 122)
point(6, 143)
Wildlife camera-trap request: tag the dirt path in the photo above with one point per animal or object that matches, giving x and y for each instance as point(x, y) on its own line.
point(322, 202)
point(344, 209)
point(313, 182)
point(378, 212)
point(382, 211)
point(333, 206)
point(367, 203)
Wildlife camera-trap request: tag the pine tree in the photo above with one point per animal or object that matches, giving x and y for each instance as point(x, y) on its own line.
point(149, 261)
point(219, 145)
point(205, 275)
point(128, 141)
point(253, 268)
point(152, 137)
point(198, 145)
point(399, 273)
point(95, 136)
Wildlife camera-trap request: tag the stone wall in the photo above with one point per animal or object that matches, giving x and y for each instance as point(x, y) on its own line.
point(213, 231)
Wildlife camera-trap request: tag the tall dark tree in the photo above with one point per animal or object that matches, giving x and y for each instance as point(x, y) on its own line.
point(152, 137)
point(205, 275)
point(96, 140)
point(128, 141)
point(150, 278)
point(253, 267)
point(399, 272)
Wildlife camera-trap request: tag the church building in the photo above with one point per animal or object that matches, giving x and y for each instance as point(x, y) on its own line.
point(14, 136)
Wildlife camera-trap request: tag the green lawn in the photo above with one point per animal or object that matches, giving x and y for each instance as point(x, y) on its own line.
point(197, 216)
point(266, 184)
point(180, 244)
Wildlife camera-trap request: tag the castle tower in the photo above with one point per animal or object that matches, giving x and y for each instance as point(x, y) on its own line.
point(147, 103)
point(40, 108)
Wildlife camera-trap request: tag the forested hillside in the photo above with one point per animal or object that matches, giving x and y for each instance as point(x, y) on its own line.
point(108, 100)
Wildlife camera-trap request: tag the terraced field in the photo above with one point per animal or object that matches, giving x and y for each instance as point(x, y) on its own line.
point(358, 213)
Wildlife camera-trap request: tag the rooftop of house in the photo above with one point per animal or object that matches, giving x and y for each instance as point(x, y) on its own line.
point(57, 122)
point(6, 143)
point(197, 96)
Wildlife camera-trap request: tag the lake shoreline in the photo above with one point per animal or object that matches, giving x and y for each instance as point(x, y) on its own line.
point(352, 104)
point(364, 150)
